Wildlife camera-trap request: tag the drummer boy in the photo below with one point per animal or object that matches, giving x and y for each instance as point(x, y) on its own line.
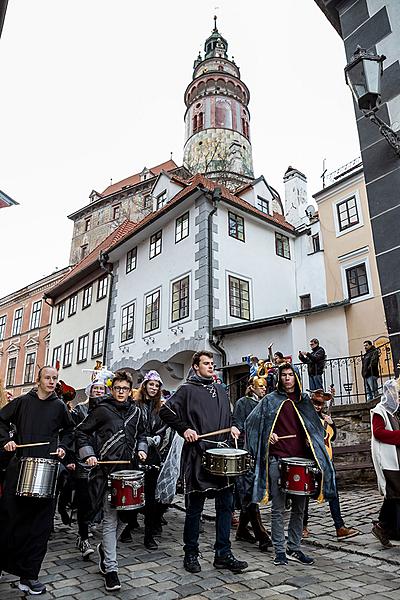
point(118, 425)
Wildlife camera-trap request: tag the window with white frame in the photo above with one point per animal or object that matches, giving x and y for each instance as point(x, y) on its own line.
point(35, 316)
point(180, 299)
point(131, 260)
point(83, 345)
point(347, 213)
point(17, 323)
point(116, 211)
point(152, 312)
point(87, 296)
point(162, 199)
point(56, 359)
point(102, 287)
point(316, 246)
point(29, 375)
point(181, 227)
point(11, 368)
point(357, 281)
point(68, 352)
point(98, 342)
point(239, 298)
point(72, 305)
point(3, 321)
point(155, 244)
point(282, 245)
point(87, 224)
point(127, 322)
point(305, 302)
point(60, 312)
point(236, 226)
point(263, 205)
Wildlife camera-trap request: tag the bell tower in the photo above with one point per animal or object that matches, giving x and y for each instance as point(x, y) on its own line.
point(217, 130)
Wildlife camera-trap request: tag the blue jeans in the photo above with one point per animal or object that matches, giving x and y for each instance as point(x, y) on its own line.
point(278, 498)
point(316, 382)
point(223, 509)
point(371, 387)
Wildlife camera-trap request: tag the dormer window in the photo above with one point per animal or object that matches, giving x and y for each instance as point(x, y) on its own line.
point(162, 199)
point(263, 205)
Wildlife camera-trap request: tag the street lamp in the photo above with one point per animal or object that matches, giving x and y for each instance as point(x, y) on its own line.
point(363, 76)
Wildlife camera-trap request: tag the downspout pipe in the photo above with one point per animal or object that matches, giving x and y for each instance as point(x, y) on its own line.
point(216, 198)
point(107, 267)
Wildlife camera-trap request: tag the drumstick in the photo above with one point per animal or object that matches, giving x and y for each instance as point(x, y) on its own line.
point(34, 444)
point(285, 437)
point(113, 462)
point(203, 435)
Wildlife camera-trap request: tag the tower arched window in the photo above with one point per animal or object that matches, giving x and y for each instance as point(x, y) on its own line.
point(245, 127)
point(194, 123)
point(223, 113)
point(200, 121)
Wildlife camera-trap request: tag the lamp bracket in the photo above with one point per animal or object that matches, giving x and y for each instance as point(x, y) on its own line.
point(391, 136)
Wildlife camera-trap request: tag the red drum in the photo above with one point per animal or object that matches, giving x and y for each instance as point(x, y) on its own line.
point(299, 476)
point(127, 490)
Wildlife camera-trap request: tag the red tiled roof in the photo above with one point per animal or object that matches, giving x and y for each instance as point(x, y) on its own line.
point(191, 185)
point(134, 179)
point(122, 231)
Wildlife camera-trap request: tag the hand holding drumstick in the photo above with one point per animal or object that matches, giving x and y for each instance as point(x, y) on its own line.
point(274, 438)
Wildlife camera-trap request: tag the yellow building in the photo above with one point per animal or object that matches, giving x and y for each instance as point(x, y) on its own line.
point(350, 264)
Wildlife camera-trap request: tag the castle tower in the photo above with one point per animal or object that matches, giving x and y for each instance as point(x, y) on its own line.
point(217, 132)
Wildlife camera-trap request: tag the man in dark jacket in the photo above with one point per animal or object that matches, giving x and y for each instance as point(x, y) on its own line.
point(117, 422)
point(315, 361)
point(200, 406)
point(25, 522)
point(285, 424)
point(370, 369)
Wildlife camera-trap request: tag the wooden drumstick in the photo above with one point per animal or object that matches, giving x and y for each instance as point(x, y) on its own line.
point(113, 462)
point(33, 444)
point(203, 435)
point(285, 437)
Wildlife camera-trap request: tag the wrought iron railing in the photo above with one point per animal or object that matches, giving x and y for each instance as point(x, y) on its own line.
point(344, 373)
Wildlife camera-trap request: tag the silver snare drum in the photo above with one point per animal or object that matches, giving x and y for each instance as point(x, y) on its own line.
point(226, 461)
point(37, 477)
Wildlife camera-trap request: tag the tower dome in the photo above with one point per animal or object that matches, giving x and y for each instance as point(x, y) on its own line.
point(217, 132)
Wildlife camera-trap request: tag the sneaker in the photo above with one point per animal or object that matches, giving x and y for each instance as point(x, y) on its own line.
point(150, 543)
point(32, 586)
point(191, 563)
point(299, 556)
point(280, 559)
point(230, 562)
point(111, 581)
point(346, 532)
point(379, 532)
point(265, 544)
point(100, 551)
point(306, 532)
point(86, 549)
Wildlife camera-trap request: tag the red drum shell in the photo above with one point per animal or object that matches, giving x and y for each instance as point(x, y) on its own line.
point(127, 490)
point(299, 476)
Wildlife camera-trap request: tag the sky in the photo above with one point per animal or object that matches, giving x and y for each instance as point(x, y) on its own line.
point(92, 90)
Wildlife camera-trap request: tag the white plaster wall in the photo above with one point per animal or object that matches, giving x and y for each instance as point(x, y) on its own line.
point(329, 327)
point(174, 262)
point(256, 342)
point(71, 328)
point(310, 269)
point(272, 278)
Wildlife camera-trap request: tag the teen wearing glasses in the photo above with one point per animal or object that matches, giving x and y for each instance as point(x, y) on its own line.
point(118, 425)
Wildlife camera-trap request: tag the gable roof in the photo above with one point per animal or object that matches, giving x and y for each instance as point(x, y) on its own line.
point(169, 165)
point(91, 262)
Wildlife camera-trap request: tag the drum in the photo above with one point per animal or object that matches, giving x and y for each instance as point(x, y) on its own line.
point(37, 477)
point(226, 461)
point(127, 490)
point(299, 476)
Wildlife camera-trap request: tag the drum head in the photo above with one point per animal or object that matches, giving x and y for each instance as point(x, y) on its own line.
point(296, 460)
point(126, 475)
point(228, 452)
point(38, 461)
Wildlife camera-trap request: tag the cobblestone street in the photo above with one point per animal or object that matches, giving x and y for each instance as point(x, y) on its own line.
point(355, 568)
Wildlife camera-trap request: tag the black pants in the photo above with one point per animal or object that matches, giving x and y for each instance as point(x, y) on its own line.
point(84, 509)
point(25, 527)
point(223, 509)
point(389, 517)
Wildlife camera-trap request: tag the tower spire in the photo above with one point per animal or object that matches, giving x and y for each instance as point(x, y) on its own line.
point(215, 30)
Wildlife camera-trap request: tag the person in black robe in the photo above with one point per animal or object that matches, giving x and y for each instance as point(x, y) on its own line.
point(200, 406)
point(26, 522)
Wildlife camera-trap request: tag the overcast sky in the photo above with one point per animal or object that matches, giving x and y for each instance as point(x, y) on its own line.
point(93, 89)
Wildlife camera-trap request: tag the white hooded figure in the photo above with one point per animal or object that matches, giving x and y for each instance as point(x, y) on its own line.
point(385, 455)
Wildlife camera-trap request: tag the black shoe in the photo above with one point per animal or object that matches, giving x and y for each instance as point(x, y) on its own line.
point(32, 586)
point(65, 517)
point(265, 545)
point(379, 532)
point(230, 562)
point(102, 567)
point(244, 535)
point(111, 581)
point(150, 543)
point(125, 536)
point(157, 531)
point(191, 563)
